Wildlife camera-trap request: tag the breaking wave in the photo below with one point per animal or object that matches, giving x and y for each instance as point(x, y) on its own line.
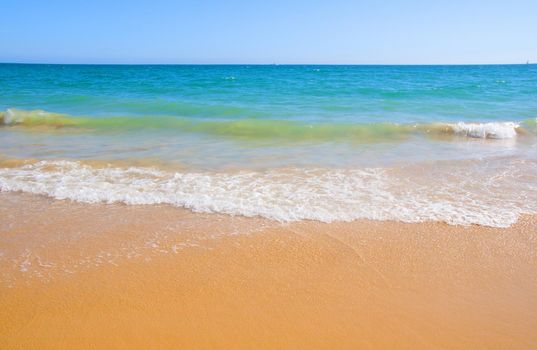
point(464, 192)
point(256, 129)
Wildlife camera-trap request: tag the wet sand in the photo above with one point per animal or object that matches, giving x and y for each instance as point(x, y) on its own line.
point(80, 276)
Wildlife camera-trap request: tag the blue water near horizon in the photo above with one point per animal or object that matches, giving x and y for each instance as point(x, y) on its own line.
point(317, 93)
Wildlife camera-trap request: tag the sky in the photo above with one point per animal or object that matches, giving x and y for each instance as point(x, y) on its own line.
point(270, 31)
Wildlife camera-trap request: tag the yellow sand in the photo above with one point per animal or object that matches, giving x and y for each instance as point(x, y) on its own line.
point(80, 276)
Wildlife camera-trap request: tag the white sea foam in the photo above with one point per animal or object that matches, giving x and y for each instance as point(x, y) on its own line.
point(12, 116)
point(498, 130)
point(454, 194)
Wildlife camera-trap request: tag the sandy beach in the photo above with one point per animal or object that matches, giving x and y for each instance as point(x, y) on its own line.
point(82, 276)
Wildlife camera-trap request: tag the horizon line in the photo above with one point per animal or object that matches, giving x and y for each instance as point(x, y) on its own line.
point(270, 64)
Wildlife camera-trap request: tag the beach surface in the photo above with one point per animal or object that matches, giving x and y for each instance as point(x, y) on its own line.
point(87, 276)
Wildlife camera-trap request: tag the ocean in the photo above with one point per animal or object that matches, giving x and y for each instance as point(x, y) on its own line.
point(456, 144)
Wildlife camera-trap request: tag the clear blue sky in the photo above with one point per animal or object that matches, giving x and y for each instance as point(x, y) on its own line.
point(241, 31)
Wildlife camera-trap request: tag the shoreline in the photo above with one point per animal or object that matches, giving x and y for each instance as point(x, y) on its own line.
point(493, 192)
point(116, 276)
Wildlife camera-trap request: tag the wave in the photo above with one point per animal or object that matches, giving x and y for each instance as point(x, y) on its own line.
point(505, 130)
point(456, 193)
point(257, 129)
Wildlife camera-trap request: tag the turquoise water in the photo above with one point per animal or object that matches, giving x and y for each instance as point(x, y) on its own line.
point(309, 129)
point(327, 94)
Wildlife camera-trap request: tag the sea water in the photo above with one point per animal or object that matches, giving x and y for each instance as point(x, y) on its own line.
point(411, 143)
